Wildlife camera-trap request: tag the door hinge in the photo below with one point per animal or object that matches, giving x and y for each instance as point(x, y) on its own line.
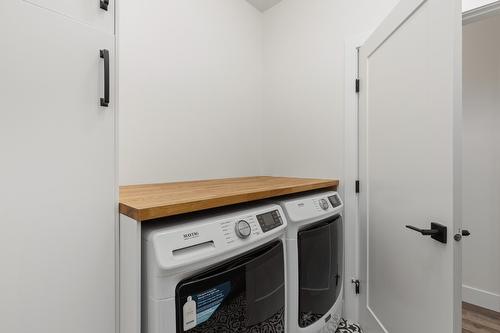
point(357, 186)
point(104, 4)
point(356, 284)
point(357, 85)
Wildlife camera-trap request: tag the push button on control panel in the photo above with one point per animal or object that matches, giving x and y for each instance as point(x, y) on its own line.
point(243, 229)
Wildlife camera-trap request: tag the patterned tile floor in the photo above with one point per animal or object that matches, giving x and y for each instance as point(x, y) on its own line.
point(347, 327)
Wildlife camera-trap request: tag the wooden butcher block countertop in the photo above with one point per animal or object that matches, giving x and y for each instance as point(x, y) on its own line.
point(146, 202)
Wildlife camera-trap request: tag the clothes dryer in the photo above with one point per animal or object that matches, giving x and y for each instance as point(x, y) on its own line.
point(315, 261)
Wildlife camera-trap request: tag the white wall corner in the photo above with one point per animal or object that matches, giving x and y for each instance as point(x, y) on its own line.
point(468, 5)
point(476, 13)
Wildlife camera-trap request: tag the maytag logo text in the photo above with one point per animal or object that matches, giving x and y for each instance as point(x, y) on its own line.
point(191, 235)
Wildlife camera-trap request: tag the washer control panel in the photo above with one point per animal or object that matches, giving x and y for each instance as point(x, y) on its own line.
point(186, 240)
point(269, 221)
point(250, 226)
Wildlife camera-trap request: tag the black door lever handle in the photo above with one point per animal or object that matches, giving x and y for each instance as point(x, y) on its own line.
point(425, 232)
point(437, 232)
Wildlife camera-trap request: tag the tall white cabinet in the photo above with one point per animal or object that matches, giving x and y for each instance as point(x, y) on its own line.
point(58, 187)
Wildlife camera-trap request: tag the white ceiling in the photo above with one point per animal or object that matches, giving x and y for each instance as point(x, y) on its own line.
point(263, 5)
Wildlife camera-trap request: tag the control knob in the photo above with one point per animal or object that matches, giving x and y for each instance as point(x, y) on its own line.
point(323, 204)
point(243, 229)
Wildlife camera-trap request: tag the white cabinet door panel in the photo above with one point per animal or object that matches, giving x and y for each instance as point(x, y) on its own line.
point(85, 11)
point(57, 192)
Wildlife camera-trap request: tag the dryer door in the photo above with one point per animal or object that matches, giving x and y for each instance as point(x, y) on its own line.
point(246, 294)
point(320, 269)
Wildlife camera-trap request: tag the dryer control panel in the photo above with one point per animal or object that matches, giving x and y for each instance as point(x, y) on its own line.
point(335, 200)
point(313, 206)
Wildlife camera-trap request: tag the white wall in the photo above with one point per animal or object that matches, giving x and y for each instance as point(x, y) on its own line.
point(481, 98)
point(304, 82)
point(196, 105)
point(190, 90)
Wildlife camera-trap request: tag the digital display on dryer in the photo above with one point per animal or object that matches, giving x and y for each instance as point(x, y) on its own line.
point(269, 221)
point(335, 201)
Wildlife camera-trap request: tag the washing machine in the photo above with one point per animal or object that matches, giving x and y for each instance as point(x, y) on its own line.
point(315, 261)
point(222, 272)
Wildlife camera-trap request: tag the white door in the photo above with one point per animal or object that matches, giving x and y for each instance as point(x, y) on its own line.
point(410, 116)
point(57, 175)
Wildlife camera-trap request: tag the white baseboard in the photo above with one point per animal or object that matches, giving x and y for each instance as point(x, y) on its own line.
point(481, 298)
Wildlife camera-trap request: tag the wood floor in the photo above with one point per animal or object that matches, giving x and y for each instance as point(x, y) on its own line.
point(479, 320)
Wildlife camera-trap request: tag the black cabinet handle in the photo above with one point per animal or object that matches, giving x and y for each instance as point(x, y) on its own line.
point(105, 55)
point(104, 4)
point(437, 232)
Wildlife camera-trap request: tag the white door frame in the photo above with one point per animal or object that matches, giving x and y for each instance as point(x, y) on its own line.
point(351, 175)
